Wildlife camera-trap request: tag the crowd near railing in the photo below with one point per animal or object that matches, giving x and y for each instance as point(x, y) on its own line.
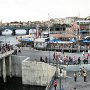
point(68, 60)
point(5, 47)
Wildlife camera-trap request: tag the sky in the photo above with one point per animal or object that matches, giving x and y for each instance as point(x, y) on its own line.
point(40, 10)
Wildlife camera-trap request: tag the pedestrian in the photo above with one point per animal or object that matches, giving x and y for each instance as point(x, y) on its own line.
point(55, 84)
point(83, 69)
point(54, 56)
point(84, 76)
point(79, 60)
point(62, 88)
point(75, 88)
point(81, 72)
point(46, 59)
point(41, 59)
point(75, 76)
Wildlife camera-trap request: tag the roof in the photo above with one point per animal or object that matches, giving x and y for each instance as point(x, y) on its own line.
point(63, 35)
point(40, 40)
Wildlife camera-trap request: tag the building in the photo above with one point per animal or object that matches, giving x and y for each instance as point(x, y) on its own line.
point(84, 27)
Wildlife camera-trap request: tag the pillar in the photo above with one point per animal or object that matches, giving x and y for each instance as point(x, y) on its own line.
point(10, 67)
point(27, 31)
point(0, 32)
point(4, 70)
point(13, 32)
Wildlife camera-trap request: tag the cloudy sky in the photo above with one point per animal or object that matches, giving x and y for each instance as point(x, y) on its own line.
point(32, 10)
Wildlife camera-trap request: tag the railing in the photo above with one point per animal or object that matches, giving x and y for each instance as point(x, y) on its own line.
point(6, 53)
point(50, 83)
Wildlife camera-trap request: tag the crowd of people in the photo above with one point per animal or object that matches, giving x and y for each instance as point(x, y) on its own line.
point(67, 59)
point(71, 60)
point(5, 47)
point(74, 60)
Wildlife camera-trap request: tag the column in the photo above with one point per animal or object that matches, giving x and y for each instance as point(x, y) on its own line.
point(10, 67)
point(4, 70)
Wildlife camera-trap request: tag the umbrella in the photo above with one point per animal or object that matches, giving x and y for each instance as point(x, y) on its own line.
point(27, 39)
point(54, 41)
point(86, 41)
point(72, 40)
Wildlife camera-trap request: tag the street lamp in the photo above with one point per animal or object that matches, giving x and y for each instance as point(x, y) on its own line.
point(60, 77)
point(60, 62)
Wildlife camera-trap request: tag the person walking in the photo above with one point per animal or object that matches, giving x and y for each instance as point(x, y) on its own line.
point(75, 76)
point(55, 84)
point(75, 88)
point(46, 59)
point(79, 60)
point(84, 75)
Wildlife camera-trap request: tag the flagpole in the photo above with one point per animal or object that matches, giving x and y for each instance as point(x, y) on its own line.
point(49, 35)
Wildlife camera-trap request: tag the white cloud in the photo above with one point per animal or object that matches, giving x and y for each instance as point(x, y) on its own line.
point(24, 10)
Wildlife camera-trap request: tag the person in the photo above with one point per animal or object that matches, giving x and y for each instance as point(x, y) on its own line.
point(62, 88)
point(19, 50)
point(55, 84)
point(46, 59)
point(84, 75)
point(54, 56)
point(41, 59)
point(79, 60)
point(83, 69)
point(81, 72)
point(75, 76)
point(75, 88)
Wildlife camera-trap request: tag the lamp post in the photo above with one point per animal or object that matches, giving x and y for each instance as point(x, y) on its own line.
point(49, 35)
point(60, 61)
point(60, 78)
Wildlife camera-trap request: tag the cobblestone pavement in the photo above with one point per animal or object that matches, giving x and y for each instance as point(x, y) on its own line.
point(69, 83)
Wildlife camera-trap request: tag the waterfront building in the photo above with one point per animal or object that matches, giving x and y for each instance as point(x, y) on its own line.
point(84, 27)
point(40, 43)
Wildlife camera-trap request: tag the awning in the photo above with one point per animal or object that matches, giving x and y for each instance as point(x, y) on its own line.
point(86, 41)
point(72, 40)
point(81, 31)
point(27, 39)
point(55, 41)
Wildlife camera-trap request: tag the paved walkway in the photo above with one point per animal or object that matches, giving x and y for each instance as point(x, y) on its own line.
point(69, 83)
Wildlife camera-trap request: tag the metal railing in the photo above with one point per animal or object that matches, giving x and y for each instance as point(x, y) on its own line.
point(50, 83)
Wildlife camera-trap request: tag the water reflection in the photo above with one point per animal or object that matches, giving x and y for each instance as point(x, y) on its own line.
point(16, 84)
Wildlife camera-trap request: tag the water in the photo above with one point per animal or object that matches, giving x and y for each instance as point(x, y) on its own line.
point(15, 83)
point(10, 39)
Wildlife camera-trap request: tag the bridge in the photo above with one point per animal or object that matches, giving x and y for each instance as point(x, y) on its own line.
point(13, 28)
point(5, 64)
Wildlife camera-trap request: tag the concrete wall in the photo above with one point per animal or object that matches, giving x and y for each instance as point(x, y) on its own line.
point(37, 73)
point(17, 65)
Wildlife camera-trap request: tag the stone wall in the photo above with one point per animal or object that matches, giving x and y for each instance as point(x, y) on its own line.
point(37, 73)
point(17, 65)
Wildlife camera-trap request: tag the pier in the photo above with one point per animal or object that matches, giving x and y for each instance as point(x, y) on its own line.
point(5, 64)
